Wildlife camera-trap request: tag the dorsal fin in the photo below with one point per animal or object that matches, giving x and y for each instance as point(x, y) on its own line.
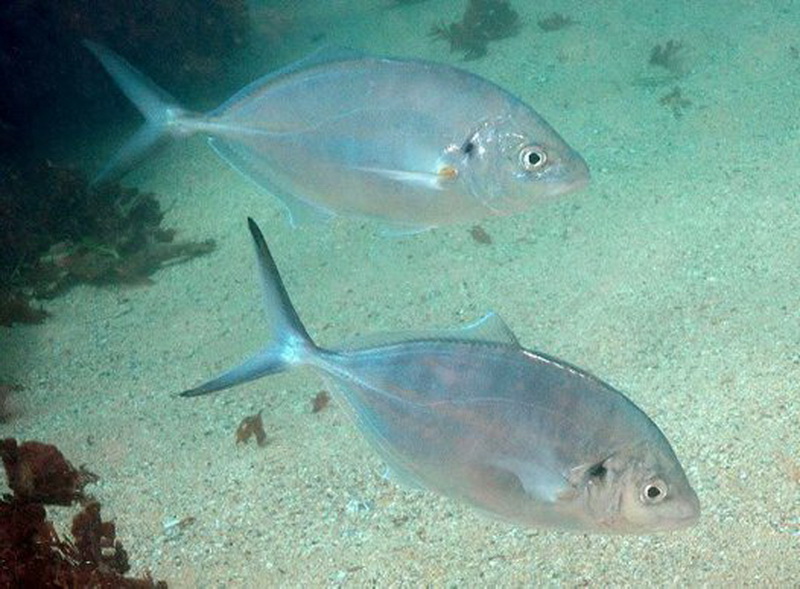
point(489, 328)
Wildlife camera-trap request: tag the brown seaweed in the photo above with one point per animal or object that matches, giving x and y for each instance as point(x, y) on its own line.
point(39, 473)
point(676, 102)
point(483, 21)
point(58, 231)
point(320, 401)
point(96, 540)
point(16, 308)
point(479, 235)
point(31, 552)
point(555, 22)
point(251, 426)
point(668, 56)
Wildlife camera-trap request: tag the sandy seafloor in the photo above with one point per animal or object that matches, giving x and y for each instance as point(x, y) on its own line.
point(674, 277)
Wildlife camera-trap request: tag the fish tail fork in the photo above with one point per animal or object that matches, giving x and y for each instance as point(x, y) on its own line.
point(289, 345)
point(164, 117)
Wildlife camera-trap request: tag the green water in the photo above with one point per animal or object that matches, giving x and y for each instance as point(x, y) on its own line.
point(673, 277)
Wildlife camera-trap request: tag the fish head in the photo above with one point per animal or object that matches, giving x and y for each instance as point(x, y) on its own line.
point(637, 490)
point(516, 160)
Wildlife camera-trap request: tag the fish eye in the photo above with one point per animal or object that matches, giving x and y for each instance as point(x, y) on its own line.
point(532, 157)
point(654, 491)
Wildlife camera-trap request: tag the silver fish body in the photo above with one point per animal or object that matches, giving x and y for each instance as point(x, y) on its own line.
point(522, 436)
point(472, 415)
point(410, 144)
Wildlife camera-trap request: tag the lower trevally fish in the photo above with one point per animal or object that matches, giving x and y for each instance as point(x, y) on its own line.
point(409, 144)
point(472, 415)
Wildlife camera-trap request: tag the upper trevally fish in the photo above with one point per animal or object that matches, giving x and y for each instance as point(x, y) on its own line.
point(472, 415)
point(410, 144)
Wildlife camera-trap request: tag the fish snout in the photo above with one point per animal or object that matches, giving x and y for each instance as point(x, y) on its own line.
point(682, 512)
point(688, 512)
point(575, 174)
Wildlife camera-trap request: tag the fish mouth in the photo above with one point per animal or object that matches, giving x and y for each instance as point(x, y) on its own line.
point(568, 186)
point(570, 176)
point(580, 183)
point(686, 515)
point(692, 515)
point(684, 521)
point(579, 176)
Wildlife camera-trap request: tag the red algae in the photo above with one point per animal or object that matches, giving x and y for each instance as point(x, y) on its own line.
point(31, 552)
point(251, 426)
point(39, 473)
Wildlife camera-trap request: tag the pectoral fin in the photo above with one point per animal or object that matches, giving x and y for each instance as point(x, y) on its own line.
point(537, 481)
point(430, 180)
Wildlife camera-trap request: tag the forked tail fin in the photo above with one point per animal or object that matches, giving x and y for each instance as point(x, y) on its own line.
point(289, 344)
point(163, 115)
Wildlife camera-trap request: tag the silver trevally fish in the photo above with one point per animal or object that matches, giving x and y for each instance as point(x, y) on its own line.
point(409, 144)
point(470, 414)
